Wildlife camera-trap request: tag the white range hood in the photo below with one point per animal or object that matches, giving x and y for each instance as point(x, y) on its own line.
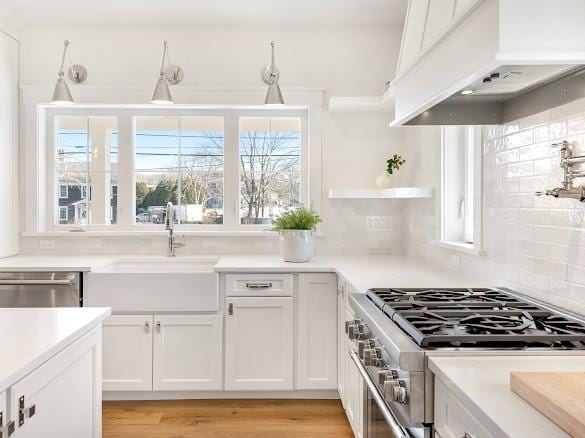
point(477, 62)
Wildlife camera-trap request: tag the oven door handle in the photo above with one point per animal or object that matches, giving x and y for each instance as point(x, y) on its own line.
point(20, 282)
point(398, 430)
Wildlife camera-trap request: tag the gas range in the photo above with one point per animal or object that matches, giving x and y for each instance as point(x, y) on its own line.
point(395, 331)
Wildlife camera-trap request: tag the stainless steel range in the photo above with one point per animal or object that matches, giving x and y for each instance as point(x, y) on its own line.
point(395, 331)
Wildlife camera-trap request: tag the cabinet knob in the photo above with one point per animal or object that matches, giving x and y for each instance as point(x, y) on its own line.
point(147, 327)
point(6, 430)
point(158, 326)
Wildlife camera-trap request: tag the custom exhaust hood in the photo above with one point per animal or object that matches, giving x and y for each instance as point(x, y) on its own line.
point(491, 62)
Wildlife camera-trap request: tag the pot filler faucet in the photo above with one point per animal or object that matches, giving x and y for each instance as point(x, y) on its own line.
point(569, 174)
point(174, 243)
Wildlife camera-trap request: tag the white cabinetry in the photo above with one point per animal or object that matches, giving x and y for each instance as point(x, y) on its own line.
point(127, 353)
point(259, 343)
point(317, 331)
point(187, 352)
point(452, 419)
point(4, 420)
point(162, 352)
point(353, 388)
point(341, 339)
point(61, 398)
point(9, 225)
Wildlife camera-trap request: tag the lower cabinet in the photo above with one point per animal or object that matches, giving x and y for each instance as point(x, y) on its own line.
point(127, 353)
point(61, 398)
point(4, 419)
point(187, 352)
point(353, 387)
point(162, 353)
point(259, 344)
point(317, 331)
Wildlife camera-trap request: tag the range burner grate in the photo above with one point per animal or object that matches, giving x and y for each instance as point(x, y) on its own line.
point(437, 318)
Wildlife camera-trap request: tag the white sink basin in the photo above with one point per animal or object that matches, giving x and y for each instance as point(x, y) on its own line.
point(160, 265)
point(155, 284)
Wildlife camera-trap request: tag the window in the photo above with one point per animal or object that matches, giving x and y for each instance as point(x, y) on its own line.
point(270, 168)
point(179, 160)
point(223, 169)
point(460, 219)
point(63, 215)
point(85, 157)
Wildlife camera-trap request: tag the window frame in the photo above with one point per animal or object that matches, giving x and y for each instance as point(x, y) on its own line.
point(126, 182)
point(66, 191)
point(66, 210)
point(472, 183)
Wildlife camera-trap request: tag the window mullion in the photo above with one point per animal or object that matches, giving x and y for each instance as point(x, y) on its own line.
point(231, 181)
point(126, 184)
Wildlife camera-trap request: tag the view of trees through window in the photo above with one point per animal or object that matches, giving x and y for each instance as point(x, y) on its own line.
point(270, 171)
point(179, 160)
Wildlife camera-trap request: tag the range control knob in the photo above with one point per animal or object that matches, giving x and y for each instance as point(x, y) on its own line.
point(373, 357)
point(387, 374)
point(365, 345)
point(350, 323)
point(356, 331)
point(399, 393)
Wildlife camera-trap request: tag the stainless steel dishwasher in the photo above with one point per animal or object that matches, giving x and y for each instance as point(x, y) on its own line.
point(41, 289)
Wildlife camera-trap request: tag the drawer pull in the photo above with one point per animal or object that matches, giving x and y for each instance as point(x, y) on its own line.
point(467, 435)
point(147, 327)
point(230, 308)
point(258, 285)
point(25, 412)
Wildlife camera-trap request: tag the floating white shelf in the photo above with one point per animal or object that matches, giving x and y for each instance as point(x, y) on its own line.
point(392, 193)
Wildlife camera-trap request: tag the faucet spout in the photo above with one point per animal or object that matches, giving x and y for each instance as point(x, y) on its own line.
point(173, 242)
point(169, 219)
point(574, 193)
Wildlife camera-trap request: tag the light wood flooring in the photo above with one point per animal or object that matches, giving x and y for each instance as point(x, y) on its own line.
point(225, 418)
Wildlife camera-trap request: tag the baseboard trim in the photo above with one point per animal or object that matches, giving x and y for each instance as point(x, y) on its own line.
point(198, 395)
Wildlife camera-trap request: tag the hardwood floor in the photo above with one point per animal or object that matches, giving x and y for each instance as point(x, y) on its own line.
point(225, 418)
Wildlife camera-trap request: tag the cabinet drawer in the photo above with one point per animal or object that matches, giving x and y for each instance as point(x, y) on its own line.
point(255, 285)
point(452, 418)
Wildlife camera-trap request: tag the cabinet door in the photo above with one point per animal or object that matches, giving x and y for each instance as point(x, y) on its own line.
point(9, 224)
point(259, 344)
point(127, 351)
point(353, 387)
point(61, 398)
point(187, 352)
point(317, 331)
point(341, 339)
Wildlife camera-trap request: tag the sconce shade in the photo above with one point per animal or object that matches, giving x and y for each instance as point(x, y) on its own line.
point(61, 94)
point(274, 95)
point(162, 94)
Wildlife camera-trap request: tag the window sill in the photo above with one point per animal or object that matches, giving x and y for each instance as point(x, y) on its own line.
point(465, 248)
point(155, 233)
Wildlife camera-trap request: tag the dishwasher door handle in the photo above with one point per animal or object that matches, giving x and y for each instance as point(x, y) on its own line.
point(17, 282)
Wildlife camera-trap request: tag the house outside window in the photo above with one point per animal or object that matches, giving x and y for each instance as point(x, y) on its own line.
point(63, 192)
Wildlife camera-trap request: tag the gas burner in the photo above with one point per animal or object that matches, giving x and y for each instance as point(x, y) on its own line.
point(490, 318)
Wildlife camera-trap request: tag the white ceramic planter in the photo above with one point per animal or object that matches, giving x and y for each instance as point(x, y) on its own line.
point(297, 246)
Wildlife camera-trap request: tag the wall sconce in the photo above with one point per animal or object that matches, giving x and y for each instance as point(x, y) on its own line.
point(76, 73)
point(172, 74)
point(270, 76)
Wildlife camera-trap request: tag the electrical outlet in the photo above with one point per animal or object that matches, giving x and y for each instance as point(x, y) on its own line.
point(455, 260)
point(47, 244)
point(379, 223)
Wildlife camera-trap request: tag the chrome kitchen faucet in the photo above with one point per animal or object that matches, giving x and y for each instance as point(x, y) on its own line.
point(173, 242)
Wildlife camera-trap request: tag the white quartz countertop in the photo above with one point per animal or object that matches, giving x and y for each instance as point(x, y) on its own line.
point(29, 337)
point(32, 263)
point(362, 271)
point(483, 385)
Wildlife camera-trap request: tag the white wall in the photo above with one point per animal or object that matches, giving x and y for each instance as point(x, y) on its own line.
point(532, 244)
point(341, 61)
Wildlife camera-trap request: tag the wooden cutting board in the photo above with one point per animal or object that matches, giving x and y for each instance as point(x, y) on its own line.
point(558, 395)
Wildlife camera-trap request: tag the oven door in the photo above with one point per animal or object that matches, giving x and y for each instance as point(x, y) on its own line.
point(379, 420)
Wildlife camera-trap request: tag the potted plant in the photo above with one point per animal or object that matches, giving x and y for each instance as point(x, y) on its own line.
point(297, 234)
point(384, 180)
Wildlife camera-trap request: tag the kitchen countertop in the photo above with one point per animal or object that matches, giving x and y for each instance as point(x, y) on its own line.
point(483, 385)
point(362, 271)
point(29, 337)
